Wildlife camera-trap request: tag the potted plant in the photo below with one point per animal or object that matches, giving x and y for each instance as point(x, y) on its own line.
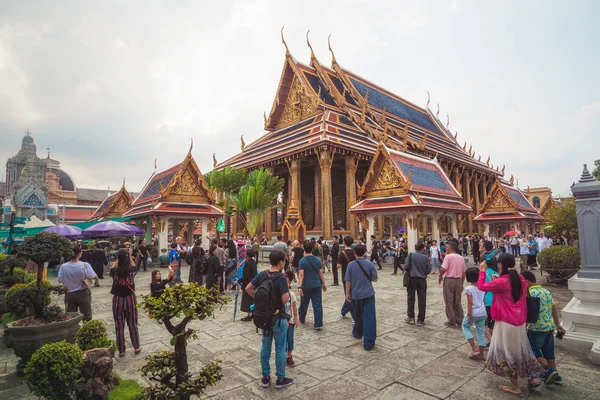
point(176, 307)
point(559, 262)
point(42, 323)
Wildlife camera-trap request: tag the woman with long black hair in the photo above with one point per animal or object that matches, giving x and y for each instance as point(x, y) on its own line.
point(510, 354)
point(197, 259)
point(124, 301)
point(250, 271)
point(214, 270)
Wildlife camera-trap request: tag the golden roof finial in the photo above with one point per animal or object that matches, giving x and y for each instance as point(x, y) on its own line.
point(456, 137)
point(437, 115)
point(312, 53)
point(243, 143)
point(447, 121)
point(470, 148)
point(214, 161)
point(512, 179)
point(479, 159)
point(191, 145)
point(428, 99)
point(488, 161)
point(123, 181)
point(517, 183)
point(333, 60)
point(155, 164)
point(265, 117)
point(503, 166)
point(465, 146)
point(287, 51)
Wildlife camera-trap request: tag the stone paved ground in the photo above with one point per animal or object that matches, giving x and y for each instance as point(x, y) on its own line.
point(408, 362)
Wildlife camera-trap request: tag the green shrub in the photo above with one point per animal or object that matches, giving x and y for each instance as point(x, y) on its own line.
point(10, 262)
point(54, 370)
point(21, 298)
point(93, 335)
point(18, 276)
point(25, 276)
point(560, 261)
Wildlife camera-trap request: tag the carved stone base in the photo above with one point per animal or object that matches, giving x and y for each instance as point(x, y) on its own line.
point(96, 372)
point(293, 229)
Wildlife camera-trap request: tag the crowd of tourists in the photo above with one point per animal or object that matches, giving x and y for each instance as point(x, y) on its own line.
point(515, 337)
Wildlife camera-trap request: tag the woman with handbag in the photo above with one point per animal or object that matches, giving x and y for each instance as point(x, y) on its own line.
point(510, 354)
point(124, 302)
point(76, 276)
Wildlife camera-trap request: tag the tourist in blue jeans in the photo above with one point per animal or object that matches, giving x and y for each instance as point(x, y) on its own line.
point(360, 276)
point(278, 332)
point(311, 285)
point(476, 315)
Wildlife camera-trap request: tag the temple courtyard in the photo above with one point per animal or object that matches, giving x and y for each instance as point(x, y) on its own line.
point(408, 362)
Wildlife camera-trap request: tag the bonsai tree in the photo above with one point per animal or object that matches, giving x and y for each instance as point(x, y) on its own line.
point(560, 262)
point(93, 335)
point(169, 370)
point(39, 249)
point(257, 197)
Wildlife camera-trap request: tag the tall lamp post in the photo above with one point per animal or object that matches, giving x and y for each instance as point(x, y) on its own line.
point(581, 317)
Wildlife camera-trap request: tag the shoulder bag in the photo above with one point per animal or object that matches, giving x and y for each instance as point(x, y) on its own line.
point(87, 283)
point(406, 278)
point(533, 308)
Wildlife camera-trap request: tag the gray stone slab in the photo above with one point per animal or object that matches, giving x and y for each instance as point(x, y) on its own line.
point(398, 391)
point(232, 378)
point(302, 383)
point(409, 358)
point(325, 368)
point(338, 388)
point(377, 373)
point(359, 355)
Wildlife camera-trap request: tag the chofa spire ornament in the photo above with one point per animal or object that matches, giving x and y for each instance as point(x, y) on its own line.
point(428, 99)
point(503, 167)
point(214, 161)
point(287, 51)
point(191, 145)
point(333, 60)
point(437, 114)
point(243, 143)
point(447, 121)
point(312, 53)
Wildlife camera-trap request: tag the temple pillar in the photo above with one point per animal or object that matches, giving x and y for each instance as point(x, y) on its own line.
point(370, 229)
point(412, 236)
point(293, 227)
point(325, 157)
point(468, 176)
point(435, 229)
point(380, 227)
point(484, 181)
point(476, 202)
point(319, 197)
point(162, 231)
point(351, 166)
point(453, 226)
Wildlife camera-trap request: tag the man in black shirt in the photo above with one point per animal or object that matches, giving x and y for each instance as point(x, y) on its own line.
point(342, 262)
point(375, 248)
point(335, 250)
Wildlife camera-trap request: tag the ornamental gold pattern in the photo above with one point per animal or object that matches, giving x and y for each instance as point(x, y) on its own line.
point(186, 185)
point(298, 104)
point(388, 177)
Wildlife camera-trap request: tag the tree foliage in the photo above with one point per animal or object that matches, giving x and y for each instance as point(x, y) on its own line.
point(596, 171)
point(54, 370)
point(560, 261)
point(562, 219)
point(256, 197)
point(168, 371)
point(226, 183)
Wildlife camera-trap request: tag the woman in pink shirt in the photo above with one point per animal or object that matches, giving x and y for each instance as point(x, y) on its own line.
point(510, 354)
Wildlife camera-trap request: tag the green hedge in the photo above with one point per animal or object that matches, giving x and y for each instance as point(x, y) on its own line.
point(93, 335)
point(560, 261)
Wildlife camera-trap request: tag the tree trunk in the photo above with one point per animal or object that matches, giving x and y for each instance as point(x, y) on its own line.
point(181, 362)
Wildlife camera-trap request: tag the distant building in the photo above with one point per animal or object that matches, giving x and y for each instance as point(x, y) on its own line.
point(40, 187)
point(538, 197)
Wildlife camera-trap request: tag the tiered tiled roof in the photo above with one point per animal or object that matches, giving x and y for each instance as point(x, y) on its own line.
point(505, 203)
point(179, 190)
point(397, 181)
point(316, 105)
point(114, 205)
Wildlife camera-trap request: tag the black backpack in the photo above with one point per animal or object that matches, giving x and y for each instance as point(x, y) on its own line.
point(378, 245)
point(267, 302)
point(325, 249)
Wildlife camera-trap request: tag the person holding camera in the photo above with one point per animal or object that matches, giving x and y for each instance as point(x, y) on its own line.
point(541, 334)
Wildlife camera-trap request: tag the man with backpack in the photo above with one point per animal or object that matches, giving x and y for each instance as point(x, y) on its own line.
point(270, 292)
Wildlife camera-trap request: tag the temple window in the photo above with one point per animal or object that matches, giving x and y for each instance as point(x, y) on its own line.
point(536, 202)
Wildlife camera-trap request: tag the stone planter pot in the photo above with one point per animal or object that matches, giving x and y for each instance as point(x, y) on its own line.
point(27, 339)
point(164, 261)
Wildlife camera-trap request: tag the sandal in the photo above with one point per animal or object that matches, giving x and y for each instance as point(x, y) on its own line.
point(122, 354)
point(507, 389)
point(137, 351)
point(474, 355)
point(533, 383)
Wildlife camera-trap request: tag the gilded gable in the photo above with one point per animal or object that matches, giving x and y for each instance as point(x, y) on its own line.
point(299, 104)
point(388, 177)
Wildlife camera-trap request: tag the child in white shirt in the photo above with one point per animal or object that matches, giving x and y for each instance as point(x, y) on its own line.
point(291, 309)
point(476, 314)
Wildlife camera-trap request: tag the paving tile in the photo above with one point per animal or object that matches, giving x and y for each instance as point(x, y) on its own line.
point(325, 368)
point(398, 391)
point(409, 358)
point(359, 355)
point(377, 373)
point(339, 388)
point(232, 378)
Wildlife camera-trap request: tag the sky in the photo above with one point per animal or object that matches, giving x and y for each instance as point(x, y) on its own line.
point(111, 86)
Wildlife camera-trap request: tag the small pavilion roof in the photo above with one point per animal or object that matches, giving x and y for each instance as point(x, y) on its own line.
point(397, 180)
point(506, 203)
point(115, 204)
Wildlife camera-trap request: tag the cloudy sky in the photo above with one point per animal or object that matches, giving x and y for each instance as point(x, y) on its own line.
point(111, 85)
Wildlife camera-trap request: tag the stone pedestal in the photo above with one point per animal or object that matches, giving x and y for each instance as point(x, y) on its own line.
point(581, 317)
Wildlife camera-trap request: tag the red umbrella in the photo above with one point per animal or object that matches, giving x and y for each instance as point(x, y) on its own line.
point(511, 233)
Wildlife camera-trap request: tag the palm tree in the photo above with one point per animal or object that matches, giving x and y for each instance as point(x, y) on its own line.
point(226, 183)
point(257, 197)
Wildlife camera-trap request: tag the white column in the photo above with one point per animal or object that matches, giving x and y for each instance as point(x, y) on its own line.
point(486, 229)
point(163, 234)
point(412, 234)
point(453, 226)
point(203, 239)
point(435, 229)
point(370, 229)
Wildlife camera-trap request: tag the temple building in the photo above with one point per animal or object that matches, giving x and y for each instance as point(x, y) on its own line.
point(175, 202)
point(324, 129)
point(38, 186)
